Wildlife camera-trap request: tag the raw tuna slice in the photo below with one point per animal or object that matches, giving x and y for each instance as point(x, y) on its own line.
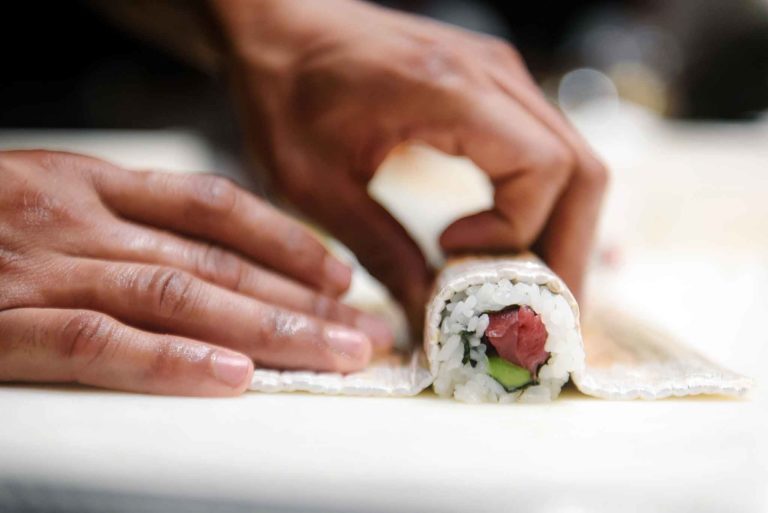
point(518, 335)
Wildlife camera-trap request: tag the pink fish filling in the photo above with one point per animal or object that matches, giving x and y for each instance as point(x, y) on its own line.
point(518, 335)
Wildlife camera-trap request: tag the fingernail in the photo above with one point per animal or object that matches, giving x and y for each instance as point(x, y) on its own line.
point(230, 368)
point(377, 329)
point(348, 343)
point(337, 273)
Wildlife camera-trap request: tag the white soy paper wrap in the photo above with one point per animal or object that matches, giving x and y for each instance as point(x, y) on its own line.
point(625, 359)
point(397, 376)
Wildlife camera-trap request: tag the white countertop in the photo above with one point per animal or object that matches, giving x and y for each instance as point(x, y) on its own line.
point(295, 452)
point(306, 453)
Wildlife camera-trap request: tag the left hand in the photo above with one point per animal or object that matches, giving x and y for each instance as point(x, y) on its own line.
point(162, 283)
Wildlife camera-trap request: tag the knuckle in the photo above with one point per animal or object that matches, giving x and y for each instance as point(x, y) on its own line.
point(561, 158)
point(282, 329)
point(500, 49)
point(23, 275)
point(439, 66)
point(40, 209)
point(220, 266)
point(33, 198)
point(305, 250)
point(58, 162)
point(10, 261)
point(13, 277)
point(85, 338)
point(169, 357)
point(273, 323)
point(257, 281)
point(555, 160)
point(212, 194)
point(597, 174)
point(172, 292)
point(15, 339)
point(322, 306)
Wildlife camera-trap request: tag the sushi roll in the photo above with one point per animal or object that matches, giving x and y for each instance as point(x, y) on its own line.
point(508, 330)
point(502, 330)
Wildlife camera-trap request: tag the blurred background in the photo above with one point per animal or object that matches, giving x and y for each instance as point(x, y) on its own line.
point(673, 95)
point(683, 59)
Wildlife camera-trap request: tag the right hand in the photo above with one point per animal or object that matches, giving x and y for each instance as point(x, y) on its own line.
point(329, 88)
point(162, 283)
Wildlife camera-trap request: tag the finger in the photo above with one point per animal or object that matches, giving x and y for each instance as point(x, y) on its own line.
point(50, 345)
point(487, 231)
point(379, 241)
point(215, 209)
point(128, 242)
point(508, 70)
point(522, 205)
point(566, 242)
point(528, 166)
point(169, 300)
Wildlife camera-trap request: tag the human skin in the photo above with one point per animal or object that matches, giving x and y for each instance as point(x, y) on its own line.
point(162, 283)
point(167, 284)
point(327, 88)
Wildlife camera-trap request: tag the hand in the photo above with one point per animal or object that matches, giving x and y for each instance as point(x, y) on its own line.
point(161, 283)
point(330, 87)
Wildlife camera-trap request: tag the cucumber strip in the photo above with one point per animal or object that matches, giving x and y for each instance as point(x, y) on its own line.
point(508, 374)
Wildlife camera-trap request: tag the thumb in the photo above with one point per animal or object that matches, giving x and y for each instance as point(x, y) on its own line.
point(380, 242)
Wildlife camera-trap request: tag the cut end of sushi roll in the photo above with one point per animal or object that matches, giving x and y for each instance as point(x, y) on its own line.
point(505, 340)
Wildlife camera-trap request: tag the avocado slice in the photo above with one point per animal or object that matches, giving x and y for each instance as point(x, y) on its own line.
point(508, 374)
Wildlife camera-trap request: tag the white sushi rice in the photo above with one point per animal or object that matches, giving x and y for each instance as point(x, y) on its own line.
point(464, 314)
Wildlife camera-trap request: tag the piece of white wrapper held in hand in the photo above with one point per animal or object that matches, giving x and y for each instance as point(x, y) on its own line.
point(624, 358)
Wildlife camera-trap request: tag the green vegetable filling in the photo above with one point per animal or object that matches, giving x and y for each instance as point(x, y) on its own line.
point(508, 374)
point(465, 341)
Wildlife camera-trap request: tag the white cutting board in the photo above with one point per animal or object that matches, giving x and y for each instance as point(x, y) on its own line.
point(297, 452)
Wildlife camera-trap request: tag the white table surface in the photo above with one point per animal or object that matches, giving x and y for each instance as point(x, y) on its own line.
point(700, 271)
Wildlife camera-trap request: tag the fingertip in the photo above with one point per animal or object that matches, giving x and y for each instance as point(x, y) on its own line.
point(337, 275)
point(451, 237)
point(570, 274)
point(378, 330)
point(232, 369)
point(462, 234)
point(484, 231)
point(352, 348)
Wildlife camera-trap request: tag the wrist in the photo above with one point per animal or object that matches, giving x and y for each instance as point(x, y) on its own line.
point(265, 35)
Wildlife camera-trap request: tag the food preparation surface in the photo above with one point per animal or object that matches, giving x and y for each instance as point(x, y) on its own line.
point(89, 450)
point(305, 453)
